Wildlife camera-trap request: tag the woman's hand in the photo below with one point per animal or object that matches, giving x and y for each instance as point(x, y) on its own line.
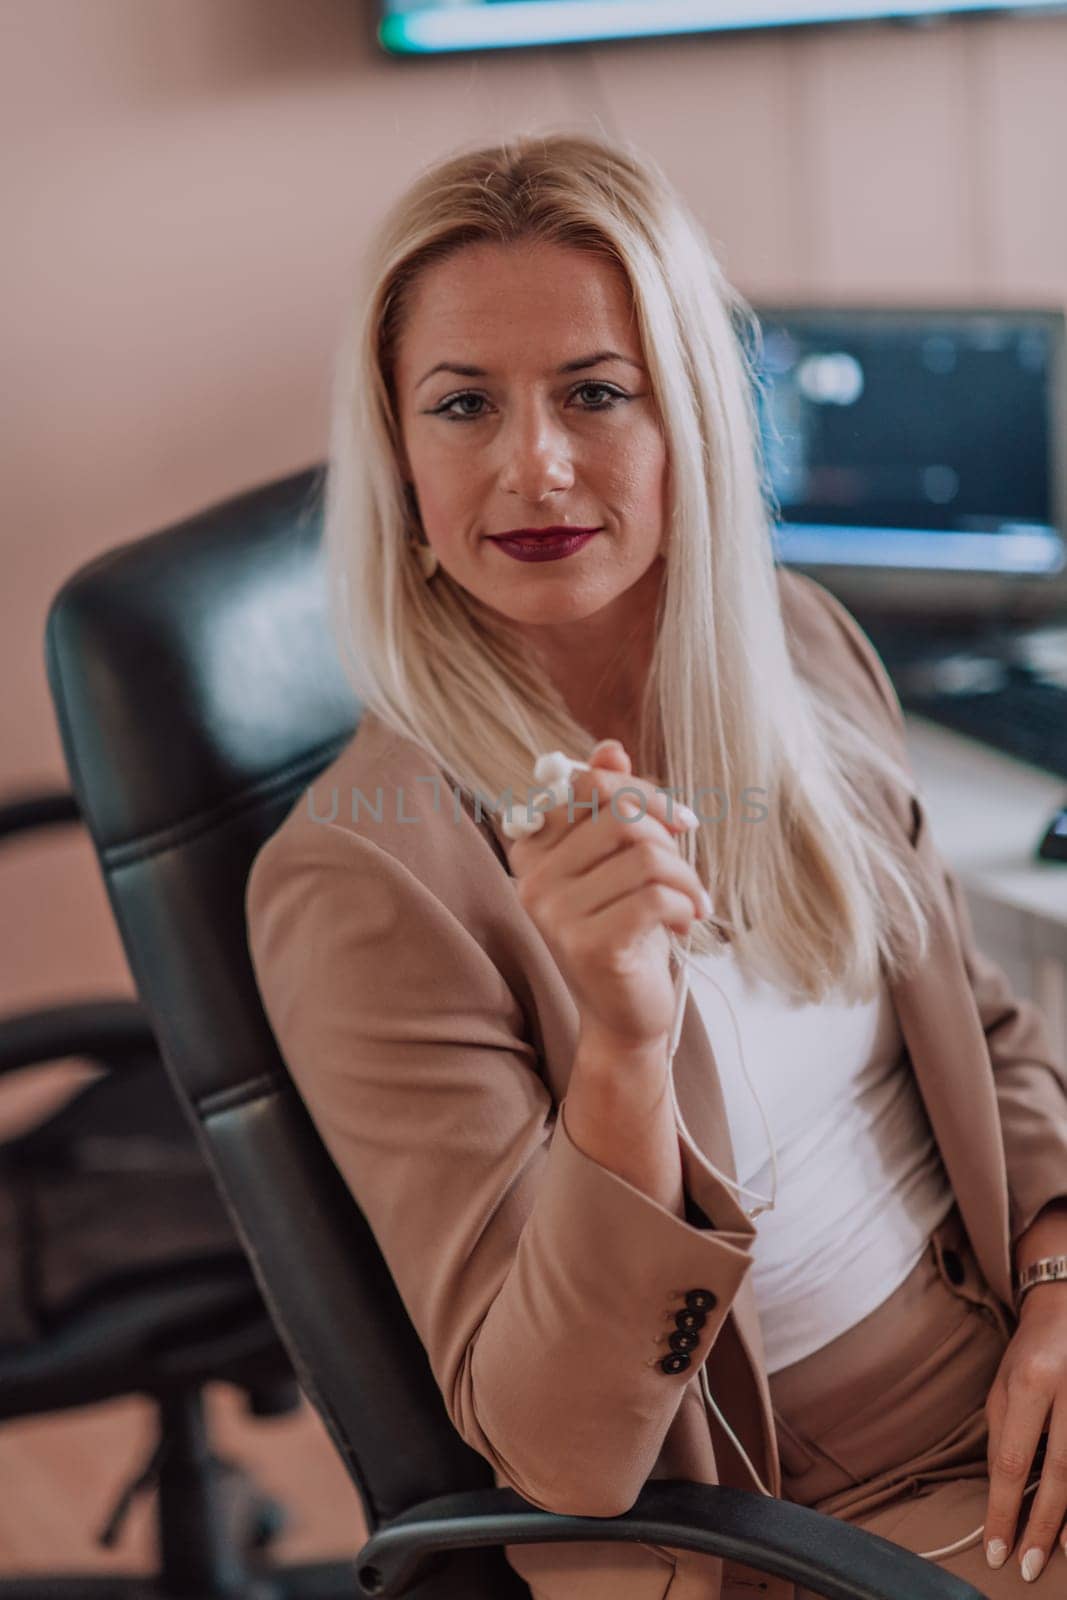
point(604, 889)
point(1031, 1383)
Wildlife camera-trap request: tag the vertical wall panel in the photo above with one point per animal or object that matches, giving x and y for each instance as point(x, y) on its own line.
point(1025, 107)
point(716, 112)
point(891, 179)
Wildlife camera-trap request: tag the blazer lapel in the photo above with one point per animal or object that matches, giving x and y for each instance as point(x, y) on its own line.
point(948, 1049)
point(949, 1054)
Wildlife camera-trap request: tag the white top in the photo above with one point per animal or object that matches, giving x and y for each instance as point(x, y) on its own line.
point(861, 1183)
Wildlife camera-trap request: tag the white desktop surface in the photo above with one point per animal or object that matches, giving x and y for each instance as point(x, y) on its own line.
point(988, 812)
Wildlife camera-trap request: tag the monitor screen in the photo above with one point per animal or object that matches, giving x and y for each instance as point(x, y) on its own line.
point(923, 440)
point(431, 26)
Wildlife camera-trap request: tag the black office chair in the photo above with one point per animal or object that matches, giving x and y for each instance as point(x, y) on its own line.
point(121, 1274)
point(198, 693)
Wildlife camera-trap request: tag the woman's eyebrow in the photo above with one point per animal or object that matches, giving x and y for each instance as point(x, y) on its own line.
point(582, 363)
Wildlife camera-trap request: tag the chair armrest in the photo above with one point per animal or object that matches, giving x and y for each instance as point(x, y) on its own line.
point(41, 809)
point(112, 1033)
point(824, 1553)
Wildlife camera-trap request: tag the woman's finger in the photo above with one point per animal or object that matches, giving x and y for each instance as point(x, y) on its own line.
point(613, 755)
point(1049, 1504)
point(577, 852)
point(635, 914)
point(585, 794)
point(646, 865)
point(1010, 1463)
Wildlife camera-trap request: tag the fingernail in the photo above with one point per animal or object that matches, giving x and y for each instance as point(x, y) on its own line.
point(707, 904)
point(996, 1552)
point(1033, 1561)
point(690, 818)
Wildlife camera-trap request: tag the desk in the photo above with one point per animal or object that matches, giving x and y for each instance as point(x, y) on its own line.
point(988, 813)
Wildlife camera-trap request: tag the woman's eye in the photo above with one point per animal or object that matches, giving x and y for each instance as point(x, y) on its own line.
point(605, 388)
point(445, 408)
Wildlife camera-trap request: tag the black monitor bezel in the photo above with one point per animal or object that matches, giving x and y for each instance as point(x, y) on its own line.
point(932, 592)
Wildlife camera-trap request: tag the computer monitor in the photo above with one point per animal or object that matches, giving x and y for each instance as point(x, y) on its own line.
point(918, 457)
point(429, 27)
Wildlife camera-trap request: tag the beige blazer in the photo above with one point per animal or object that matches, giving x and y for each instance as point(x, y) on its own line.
point(431, 1035)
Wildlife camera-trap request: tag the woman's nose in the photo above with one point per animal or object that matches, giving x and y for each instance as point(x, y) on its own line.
point(536, 457)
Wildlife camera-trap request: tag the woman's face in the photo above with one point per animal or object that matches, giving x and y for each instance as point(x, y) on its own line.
point(524, 443)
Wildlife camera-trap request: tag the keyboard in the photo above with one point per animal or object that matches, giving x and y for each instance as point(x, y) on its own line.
point(1025, 719)
point(981, 691)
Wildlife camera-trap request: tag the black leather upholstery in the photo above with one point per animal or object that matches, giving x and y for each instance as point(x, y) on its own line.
point(198, 692)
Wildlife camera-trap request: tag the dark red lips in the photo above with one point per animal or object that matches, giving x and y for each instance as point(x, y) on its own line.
point(541, 533)
point(544, 544)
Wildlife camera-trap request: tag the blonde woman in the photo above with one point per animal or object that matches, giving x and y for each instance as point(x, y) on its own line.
point(548, 529)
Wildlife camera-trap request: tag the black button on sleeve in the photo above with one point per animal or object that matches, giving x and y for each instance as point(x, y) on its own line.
point(701, 1299)
point(675, 1363)
point(682, 1341)
point(689, 1319)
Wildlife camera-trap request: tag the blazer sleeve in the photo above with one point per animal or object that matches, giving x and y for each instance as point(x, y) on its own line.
point(541, 1284)
point(1029, 1073)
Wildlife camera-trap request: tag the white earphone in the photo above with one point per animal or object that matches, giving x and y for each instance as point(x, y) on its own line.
point(553, 770)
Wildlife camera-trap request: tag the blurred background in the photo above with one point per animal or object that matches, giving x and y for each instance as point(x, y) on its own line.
point(188, 186)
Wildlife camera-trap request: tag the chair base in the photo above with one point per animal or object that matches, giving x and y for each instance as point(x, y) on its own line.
point(326, 1580)
point(214, 1528)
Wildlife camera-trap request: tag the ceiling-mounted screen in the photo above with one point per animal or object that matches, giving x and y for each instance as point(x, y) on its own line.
point(428, 27)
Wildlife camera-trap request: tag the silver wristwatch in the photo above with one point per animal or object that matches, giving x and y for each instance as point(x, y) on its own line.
point(1050, 1269)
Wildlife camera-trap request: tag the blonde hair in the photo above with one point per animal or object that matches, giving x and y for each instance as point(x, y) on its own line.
point(723, 703)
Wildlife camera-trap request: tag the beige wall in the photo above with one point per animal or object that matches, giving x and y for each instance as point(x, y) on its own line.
point(187, 184)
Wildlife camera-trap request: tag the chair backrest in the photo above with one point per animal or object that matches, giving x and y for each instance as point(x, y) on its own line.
point(198, 692)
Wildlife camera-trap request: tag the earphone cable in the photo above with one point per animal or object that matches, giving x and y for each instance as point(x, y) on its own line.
point(766, 1203)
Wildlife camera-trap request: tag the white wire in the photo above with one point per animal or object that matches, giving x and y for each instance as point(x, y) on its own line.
point(553, 769)
point(767, 1203)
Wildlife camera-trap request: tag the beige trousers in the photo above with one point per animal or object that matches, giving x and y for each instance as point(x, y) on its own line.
point(885, 1425)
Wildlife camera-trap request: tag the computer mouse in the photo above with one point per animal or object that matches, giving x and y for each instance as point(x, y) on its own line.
point(1053, 846)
